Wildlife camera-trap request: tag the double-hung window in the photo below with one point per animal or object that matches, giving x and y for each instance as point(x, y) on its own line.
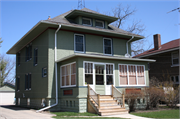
point(29, 52)
point(28, 81)
point(18, 83)
point(68, 75)
point(175, 59)
point(131, 75)
point(107, 44)
point(18, 58)
point(86, 21)
point(88, 73)
point(79, 45)
point(35, 56)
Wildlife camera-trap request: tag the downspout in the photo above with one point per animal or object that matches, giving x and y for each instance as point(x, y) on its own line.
point(127, 54)
point(55, 59)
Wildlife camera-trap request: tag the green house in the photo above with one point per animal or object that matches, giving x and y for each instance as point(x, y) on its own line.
point(62, 61)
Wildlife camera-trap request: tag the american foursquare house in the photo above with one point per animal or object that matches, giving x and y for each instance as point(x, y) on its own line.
point(77, 62)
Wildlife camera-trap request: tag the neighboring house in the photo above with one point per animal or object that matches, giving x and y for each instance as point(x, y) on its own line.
point(166, 67)
point(7, 94)
point(58, 57)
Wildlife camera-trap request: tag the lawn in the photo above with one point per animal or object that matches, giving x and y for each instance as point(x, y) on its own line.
point(86, 115)
point(174, 113)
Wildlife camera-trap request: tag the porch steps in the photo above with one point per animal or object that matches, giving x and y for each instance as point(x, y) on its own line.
point(109, 106)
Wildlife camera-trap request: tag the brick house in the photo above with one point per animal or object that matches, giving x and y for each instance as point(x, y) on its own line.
point(166, 55)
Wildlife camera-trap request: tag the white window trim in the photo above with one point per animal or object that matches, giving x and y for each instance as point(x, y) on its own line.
point(75, 44)
point(87, 19)
point(128, 76)
point(174, 65)
point(99, 21)
point(94, 71)
point(70, 76)
point(104, 47)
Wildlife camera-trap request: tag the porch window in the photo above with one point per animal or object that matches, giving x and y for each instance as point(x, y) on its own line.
point(131, 75)
point(107, 46)
point(109, 74)
point(68, 75)
point(79, 43)
point(88, 73)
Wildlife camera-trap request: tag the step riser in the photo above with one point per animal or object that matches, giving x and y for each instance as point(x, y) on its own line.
point(109, 106)
point(106, 114)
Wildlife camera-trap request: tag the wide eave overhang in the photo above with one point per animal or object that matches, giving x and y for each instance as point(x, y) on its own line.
point(104, 57)
point(76, 13)
point(41, 26)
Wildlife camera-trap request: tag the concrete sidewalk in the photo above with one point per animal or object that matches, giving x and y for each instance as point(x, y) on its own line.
point(128, 116)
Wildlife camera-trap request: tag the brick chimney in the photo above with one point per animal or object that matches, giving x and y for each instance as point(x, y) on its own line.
point(157, 41)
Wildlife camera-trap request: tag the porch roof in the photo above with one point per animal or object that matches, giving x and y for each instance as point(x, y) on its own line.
point(104, 57)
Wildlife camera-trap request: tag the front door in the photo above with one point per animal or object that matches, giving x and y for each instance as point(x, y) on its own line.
point(100, 78)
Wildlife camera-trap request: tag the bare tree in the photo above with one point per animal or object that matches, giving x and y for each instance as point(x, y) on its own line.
point(7, 70)
point(137, 27)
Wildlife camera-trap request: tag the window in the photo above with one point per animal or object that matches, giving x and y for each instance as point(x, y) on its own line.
point(131, 75)
point(17, 83)
point(79, 43)
point(68, 75)
point(18, 59)
point(99, 24)
point(107, 46)
point(175, 79)
point(44, 72)
point(35, 56)
point(29, 52)
point(86, 21)
point(109, 74)
point(28, 81)
point(175, 59)
point(88, 73)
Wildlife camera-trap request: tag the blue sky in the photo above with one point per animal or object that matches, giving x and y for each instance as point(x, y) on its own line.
point(18, 17)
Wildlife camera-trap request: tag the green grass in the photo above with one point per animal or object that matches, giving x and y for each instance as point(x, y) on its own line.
point(159, 114)
point(73, 114)
point(67, 115)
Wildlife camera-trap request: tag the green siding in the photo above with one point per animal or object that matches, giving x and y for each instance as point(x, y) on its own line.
point(38, 83)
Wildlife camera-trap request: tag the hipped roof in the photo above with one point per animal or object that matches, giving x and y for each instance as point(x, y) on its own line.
point(66, 24)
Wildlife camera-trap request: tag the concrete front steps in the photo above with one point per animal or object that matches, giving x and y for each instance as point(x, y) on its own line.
point(109, 106)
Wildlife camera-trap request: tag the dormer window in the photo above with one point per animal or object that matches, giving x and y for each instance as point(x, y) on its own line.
point(86, 21)
point(99, 24)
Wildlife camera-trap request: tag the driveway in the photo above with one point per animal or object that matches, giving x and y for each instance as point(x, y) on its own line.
point(14, 112)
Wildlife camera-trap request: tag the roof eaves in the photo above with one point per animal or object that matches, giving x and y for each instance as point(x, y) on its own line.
point(8, 52)
point(92, 28)
point(155, 53)
point(105, 57)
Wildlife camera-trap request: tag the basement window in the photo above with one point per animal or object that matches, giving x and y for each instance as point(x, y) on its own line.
point(28, 101)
